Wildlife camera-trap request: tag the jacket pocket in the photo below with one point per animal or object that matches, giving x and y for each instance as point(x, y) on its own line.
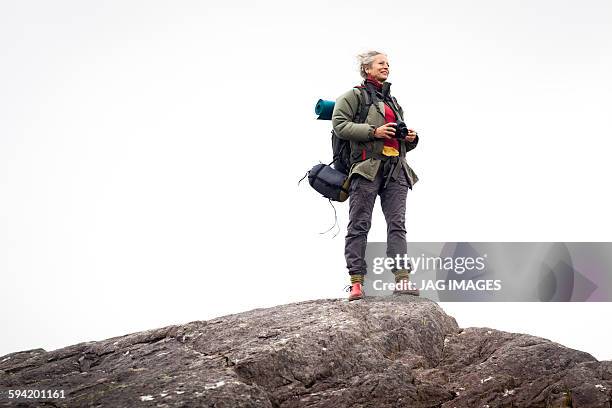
point(362, 151)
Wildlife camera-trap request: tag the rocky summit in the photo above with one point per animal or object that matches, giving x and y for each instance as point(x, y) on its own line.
point(401, 351)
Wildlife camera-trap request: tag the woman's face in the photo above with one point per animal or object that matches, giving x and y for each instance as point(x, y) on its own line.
point(379, 68)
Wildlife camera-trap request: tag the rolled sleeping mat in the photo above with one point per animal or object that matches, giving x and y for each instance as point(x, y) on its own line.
point(324, 109)
point(329, 182)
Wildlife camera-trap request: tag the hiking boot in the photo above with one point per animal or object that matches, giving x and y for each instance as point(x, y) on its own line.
point(402, 288)
point(356, 291)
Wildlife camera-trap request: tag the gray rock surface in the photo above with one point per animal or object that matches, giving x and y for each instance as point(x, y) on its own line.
point(381, 352)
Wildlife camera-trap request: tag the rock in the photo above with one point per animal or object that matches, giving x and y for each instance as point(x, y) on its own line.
point(376, 352)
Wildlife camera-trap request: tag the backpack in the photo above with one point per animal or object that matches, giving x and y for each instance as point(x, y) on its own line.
point(341, 148)
point(331, 180)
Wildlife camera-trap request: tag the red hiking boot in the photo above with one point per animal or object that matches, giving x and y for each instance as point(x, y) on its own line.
point(356, 291)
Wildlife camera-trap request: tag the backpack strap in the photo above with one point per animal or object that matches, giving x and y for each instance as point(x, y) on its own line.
point(365, 101)
point(396, 107)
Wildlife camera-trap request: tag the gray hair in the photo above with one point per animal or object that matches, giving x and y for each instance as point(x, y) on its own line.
point(365, 60)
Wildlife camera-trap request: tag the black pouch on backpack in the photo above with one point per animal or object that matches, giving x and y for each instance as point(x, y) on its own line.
point(342, 154)
point(329, 182)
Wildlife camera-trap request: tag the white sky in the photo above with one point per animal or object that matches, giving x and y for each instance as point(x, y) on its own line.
point(149, 152)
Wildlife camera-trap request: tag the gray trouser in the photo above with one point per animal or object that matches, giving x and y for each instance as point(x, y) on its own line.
point(362, 197)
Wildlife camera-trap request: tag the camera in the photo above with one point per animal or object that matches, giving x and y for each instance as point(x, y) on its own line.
point(401, 130)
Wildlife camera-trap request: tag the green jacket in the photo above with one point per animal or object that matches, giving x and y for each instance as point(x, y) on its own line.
point(361, 136)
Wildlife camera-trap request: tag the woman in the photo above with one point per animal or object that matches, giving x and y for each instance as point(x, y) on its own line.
point(378, 168)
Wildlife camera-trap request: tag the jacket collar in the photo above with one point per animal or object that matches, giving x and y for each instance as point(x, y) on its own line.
point(381, 90)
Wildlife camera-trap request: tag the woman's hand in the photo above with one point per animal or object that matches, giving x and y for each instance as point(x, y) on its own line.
point(411, 135)
point(386, 131)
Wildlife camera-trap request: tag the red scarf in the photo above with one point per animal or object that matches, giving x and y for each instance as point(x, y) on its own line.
point(374, 82)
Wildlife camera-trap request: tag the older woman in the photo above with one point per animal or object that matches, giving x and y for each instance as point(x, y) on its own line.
point(378, 147)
